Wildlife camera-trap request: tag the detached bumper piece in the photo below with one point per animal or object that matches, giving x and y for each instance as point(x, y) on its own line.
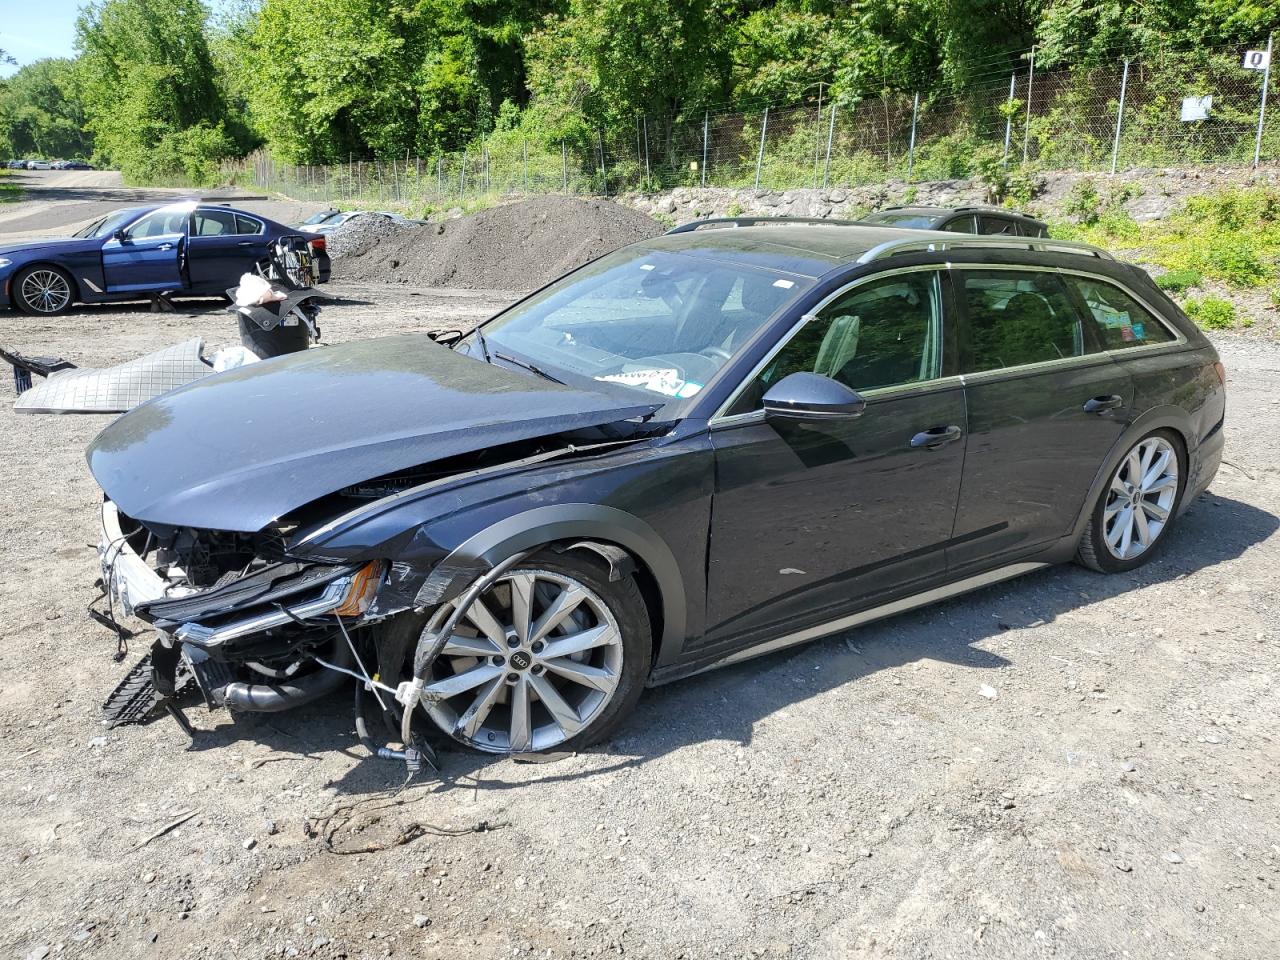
point(24, 367)
point(134, 700)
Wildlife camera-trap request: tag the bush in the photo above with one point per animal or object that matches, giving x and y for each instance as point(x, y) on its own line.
point(1083, 202)
point(1211, 313)
point(1179, 280)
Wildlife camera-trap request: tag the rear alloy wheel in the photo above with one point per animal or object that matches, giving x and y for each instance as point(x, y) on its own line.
point(1137, 507)
point(42, 291)
point(552, 656)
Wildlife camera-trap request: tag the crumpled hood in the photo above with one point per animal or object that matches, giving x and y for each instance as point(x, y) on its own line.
point(240, 449)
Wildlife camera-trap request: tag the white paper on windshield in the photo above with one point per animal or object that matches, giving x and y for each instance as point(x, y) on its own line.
point(664, 380)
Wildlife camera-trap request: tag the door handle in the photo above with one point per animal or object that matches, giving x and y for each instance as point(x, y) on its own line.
point(936, 437)
point(245, 243)
point(165, 246)
point(1103, 404)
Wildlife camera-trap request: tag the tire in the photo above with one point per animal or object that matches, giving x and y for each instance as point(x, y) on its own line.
point(519, 673)
point(1113, 543)
point(43, 291)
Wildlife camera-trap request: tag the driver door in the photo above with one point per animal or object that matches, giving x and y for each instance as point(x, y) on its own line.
point(147, 256)
point(814, 519)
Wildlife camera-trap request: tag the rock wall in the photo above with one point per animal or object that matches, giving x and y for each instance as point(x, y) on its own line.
point(1143, 194)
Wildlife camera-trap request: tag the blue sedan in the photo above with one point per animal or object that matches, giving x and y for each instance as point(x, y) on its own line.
point(179, 249)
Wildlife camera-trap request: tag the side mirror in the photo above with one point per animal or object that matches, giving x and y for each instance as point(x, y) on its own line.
point(811, 396)
point(121, 236)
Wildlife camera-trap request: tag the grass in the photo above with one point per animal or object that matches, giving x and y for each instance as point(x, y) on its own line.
point(1230, 237)
point(9, 190)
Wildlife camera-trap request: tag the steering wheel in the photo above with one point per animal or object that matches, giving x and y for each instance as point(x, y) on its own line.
point(715, 353)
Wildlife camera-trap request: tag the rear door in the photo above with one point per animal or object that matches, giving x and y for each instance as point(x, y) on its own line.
point(1045, 406)
point(224, 245)
point(148, 255)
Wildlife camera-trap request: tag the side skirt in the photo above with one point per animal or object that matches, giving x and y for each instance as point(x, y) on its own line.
point(869, 615)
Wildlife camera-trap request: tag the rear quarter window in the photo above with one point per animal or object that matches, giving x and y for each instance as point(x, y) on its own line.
point(1121, 322)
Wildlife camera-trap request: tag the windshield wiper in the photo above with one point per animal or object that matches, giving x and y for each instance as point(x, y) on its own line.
point(484, 347)
point(530, 367)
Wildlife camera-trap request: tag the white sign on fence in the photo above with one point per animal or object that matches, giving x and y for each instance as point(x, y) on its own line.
point(1256, 59)
point(1196, 108)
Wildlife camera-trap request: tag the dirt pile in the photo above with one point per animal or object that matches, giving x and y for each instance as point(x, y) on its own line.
point(518, 246)
point(360, 233)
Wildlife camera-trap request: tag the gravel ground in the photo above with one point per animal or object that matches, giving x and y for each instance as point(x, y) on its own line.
point(1065, 765)
point(1068, 764)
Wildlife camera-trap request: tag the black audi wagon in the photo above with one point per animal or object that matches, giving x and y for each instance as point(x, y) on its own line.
point(693, 450)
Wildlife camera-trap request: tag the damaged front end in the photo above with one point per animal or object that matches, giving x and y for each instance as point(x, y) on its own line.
point(253, 628)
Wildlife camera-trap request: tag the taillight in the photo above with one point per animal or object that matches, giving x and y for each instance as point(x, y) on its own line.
point(1221, 371)
point(317, 245)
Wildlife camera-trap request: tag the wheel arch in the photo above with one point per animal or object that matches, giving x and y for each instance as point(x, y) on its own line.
point(1170, 418)
point(573, 523)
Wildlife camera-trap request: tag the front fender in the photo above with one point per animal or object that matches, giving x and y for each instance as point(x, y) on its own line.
point(566, 521)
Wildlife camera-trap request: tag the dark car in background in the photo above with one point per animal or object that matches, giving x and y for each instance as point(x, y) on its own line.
point(696, 449)
point(178, 249)
point(993, 221)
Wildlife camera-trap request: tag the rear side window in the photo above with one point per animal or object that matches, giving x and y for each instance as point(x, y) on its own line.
point(1120, 321)
point(997, 225)
point(247, 225)
point(1016, 318)
point(215, 223)
point(962, 225)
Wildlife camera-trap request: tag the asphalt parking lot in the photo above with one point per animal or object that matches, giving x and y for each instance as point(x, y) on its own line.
point(1065, 765)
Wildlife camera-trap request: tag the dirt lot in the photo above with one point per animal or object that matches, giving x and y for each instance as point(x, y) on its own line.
point(1068, 765)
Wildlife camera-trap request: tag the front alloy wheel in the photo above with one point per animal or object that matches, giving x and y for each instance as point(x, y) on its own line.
point(541, 658)
point(43, 291)
point(1137, 507)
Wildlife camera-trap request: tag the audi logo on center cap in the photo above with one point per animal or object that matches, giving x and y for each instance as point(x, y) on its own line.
point(521, 660)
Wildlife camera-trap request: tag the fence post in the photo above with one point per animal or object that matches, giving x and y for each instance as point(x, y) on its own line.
point(1262, 106)
point(564, 165)
point(524, 148)
point(1115, 146)
point(706, 115)
point(1026, 125)
point(648, 177)
point(604, 167)
point(911, 150)
point(462, 177)
point(440, 176)
point(817, 136)
point(831, 132)
point(760, 156)
point(1008, 118)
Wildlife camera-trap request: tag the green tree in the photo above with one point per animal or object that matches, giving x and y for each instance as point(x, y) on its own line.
point(41, 111)
point(150, 91)
point(612, 59)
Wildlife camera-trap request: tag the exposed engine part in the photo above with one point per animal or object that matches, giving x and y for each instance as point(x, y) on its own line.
point(275, 697)
point(212, 676)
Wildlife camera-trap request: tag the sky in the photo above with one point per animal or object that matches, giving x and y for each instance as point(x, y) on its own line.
point(32, 29)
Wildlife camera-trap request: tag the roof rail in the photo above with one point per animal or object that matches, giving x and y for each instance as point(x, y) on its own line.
point(1005, 211)
point(892, 248)
point(729, 222)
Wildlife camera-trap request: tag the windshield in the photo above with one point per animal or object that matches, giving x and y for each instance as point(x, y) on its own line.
point(653, 321)
point(320, 217)
point(914, 221)
point(105, 226)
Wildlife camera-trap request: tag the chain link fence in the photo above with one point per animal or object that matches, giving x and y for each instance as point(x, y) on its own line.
point(1131, 114)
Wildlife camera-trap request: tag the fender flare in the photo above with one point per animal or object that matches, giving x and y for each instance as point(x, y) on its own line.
point(567, 521)
point(1163, 417)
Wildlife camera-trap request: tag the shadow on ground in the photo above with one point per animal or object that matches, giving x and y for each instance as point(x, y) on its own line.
point(727, 704)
